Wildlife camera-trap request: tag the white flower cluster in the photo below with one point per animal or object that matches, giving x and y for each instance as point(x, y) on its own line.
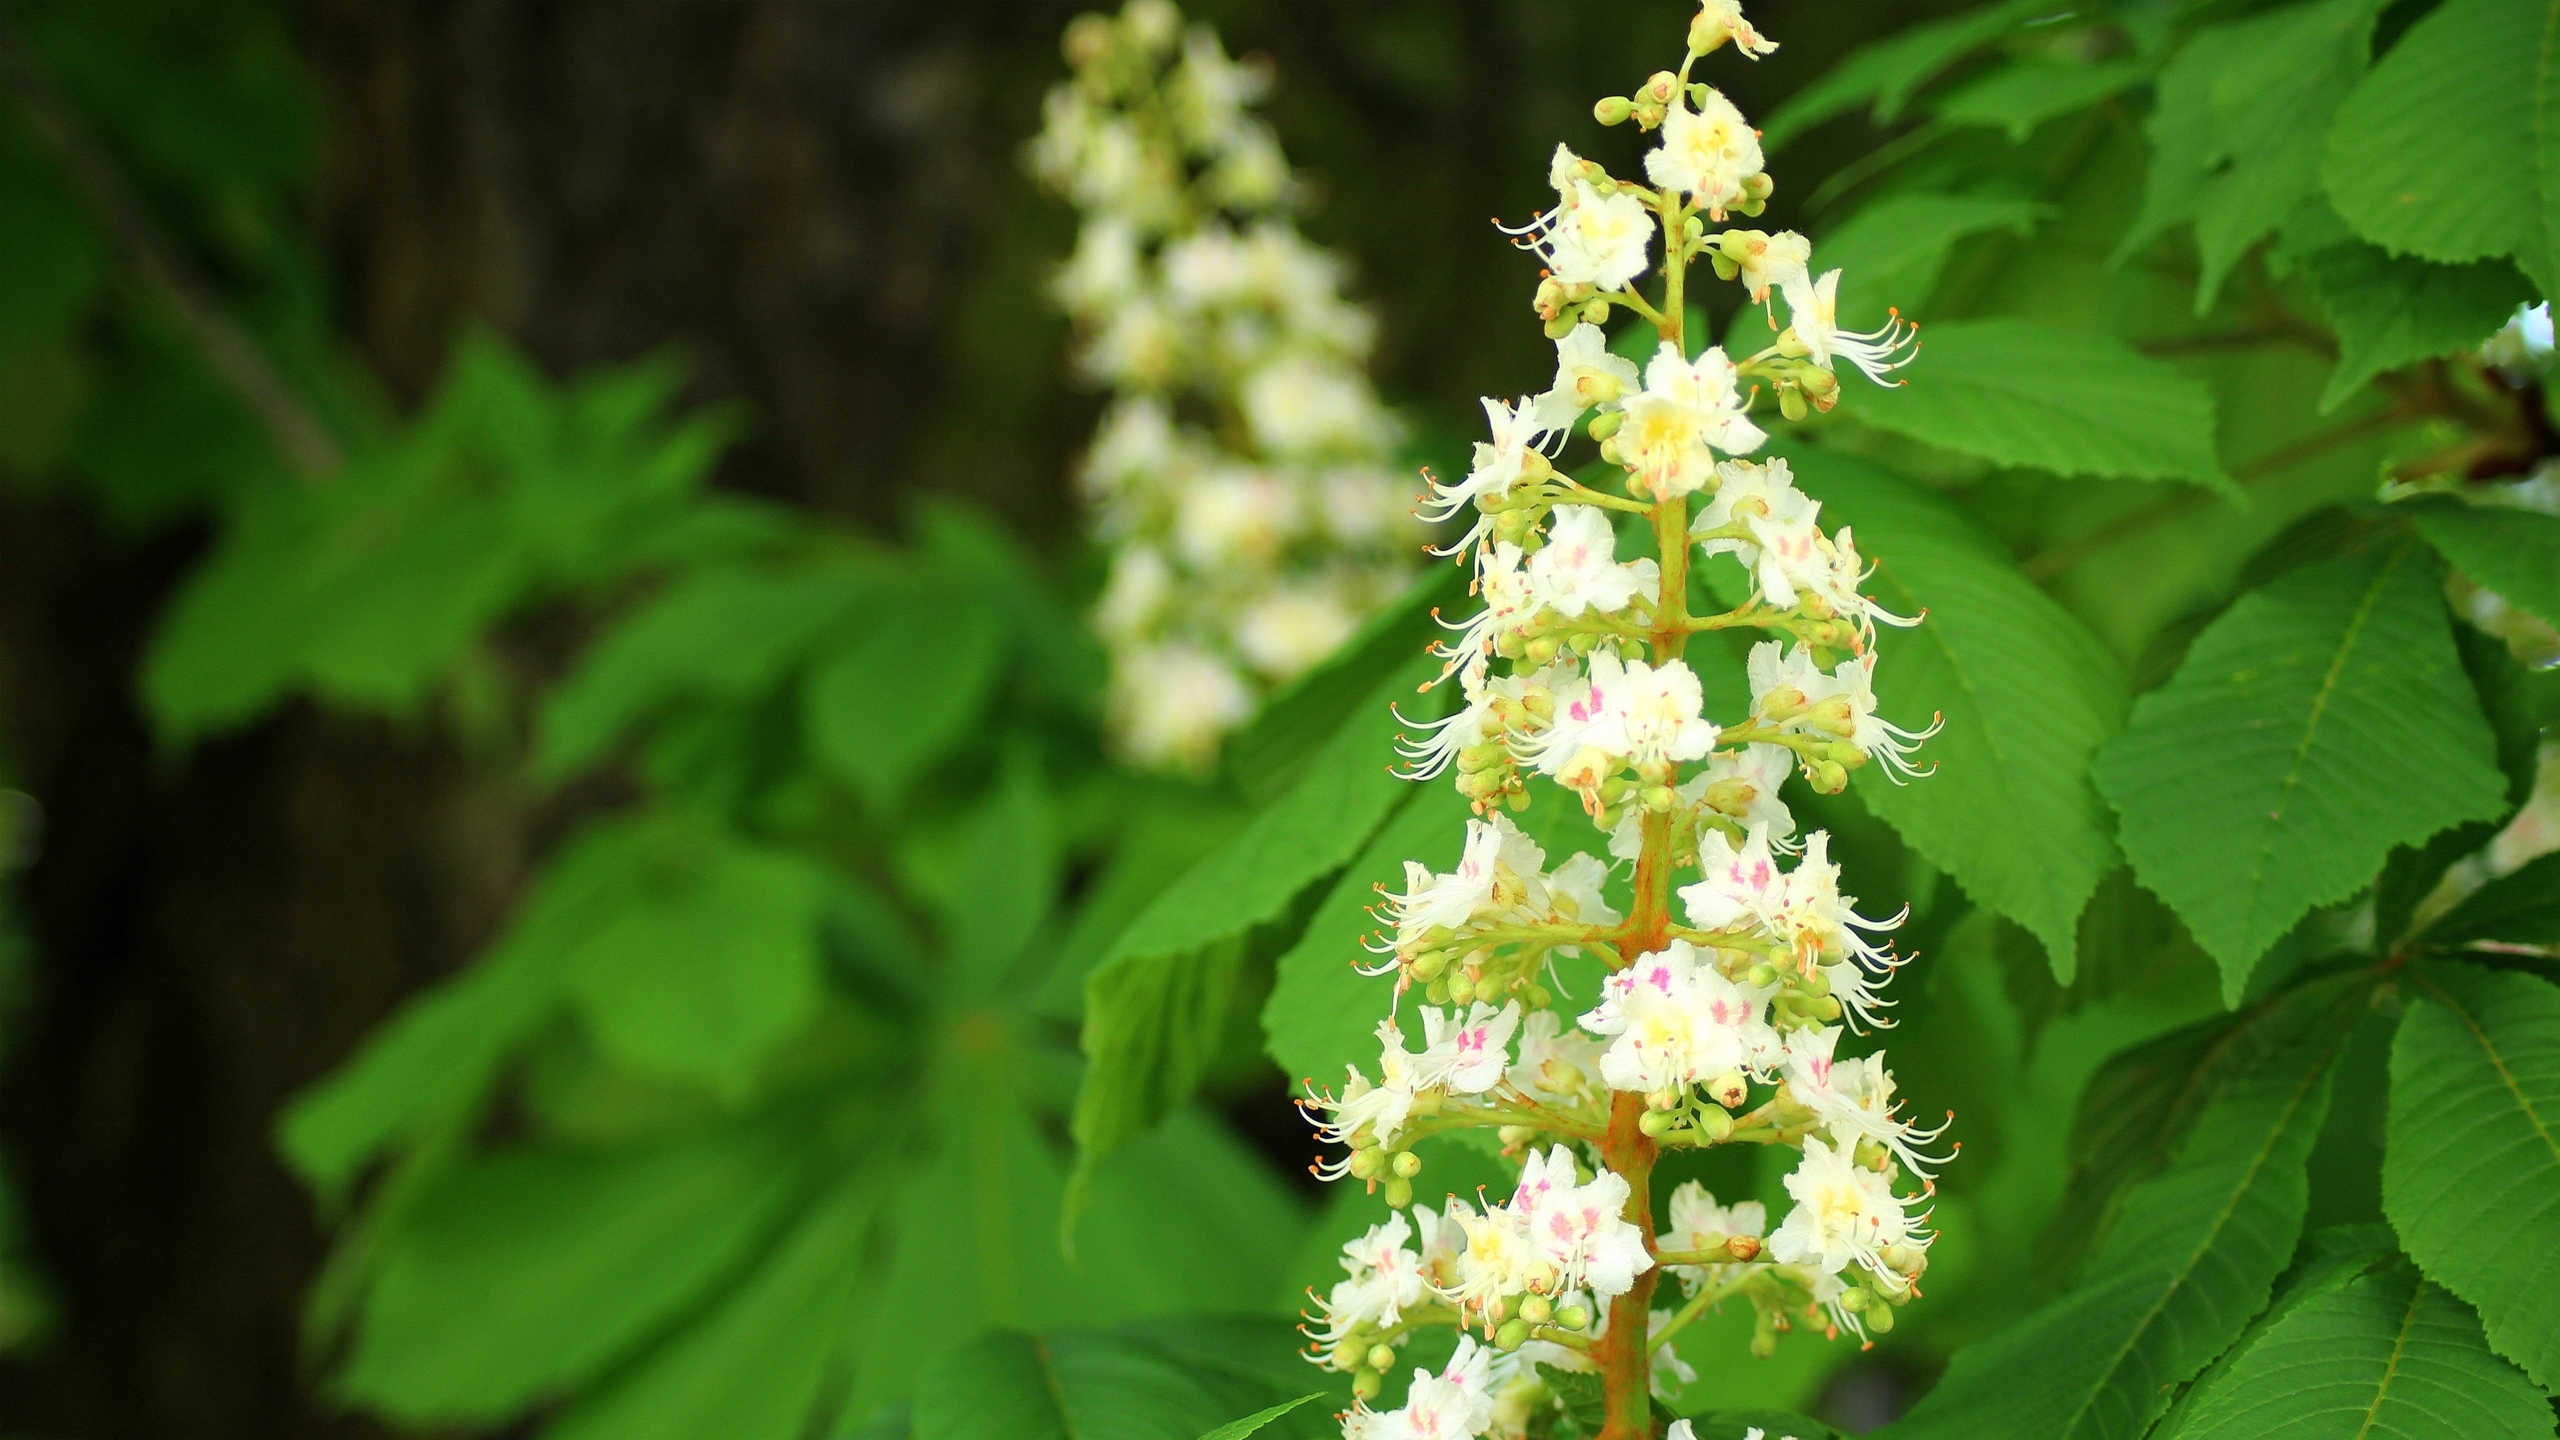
point(1728, 991)
point(1242, 474)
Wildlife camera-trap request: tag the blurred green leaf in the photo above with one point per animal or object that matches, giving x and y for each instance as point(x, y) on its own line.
point(513, 1277)
point(908, 686)
point(2024, 94)
point(2270, 774)
point(1891, 70)
point(1078, 1386)
point(2019, 393)
point(1269, 754)
point(2472, 1163)
point(1890, 253)
point(2448, 150)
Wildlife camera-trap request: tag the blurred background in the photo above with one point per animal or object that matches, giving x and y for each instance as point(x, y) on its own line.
point(814, 217)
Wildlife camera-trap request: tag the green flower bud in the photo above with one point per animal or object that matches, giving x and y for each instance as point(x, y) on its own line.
point(1657, 1123)
point(1406, 1164)
point(1829, 777)
point(1714, 1123)
point(1572, 1317)
point(1367, 1384)
point(1762, 975)
point(1825, 1008)
point(1399, 1192)
point(1596, 313)
point(1537, 1310)
point(1561, 326)
point(1879, 1319)
point(1613, 110)
point(1437, 992)
point(1513, 1334)
point(1791, 403)
point(1742, 1247)
point(1430, 964)
point(1854, 1298)
point(1382, 1358)
point(1365, 1164)
point(1348, 1355)
point(1462, 988)
point(1606, 423)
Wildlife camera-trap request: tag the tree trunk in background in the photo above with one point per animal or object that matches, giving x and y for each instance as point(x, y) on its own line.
point(819, 206)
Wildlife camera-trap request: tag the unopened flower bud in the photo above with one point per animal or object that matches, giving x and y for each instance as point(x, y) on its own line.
point(1781, 704)
point(1367, 1384)
point(1382, 1358)
point(1854, 1298)
point(1730, 1089)
point(1399, 1192)
point(1659, 798)
point(1834, 716)
point(1610, 452)
point(1714, 1123)
point(1905, 1259)
point(1879, 1319)
point(1606, 423)
point(1462, 988)
point(1365, 1164)
point(1561, 326)
point(1829, 778)
point(1596, 313)
point(1825, 1008)
point(1657, 1123)
point(1612, 109)
point(1762, 975)
point(1660, 87)
point(1427, 1102)
point(1764, 1344)
point(1549, 301)
point(1348, 1355)
point(1406, 1164)
point(1513, 1334)
point(1534, 996)
point(1792, 404)
point(1087, 37)
point(1572, 1317)
point(1429, 964)
point(1537, 1310)
point(1742, 1247)
point(1437, 991)
point(1758, 185)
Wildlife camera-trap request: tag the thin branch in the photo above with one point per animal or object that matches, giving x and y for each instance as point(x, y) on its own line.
point(299, 437)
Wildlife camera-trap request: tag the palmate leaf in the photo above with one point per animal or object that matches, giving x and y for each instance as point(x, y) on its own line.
point(1155, 1005)
point(2273, 772)
point(2385, 1353)
point(2018, 393)
point(2450, 148)
point(2471, 1172)
point(2021, 96)
point(2513, 551)
point(2026, 692)
point(2192, 1257)
point(1891, 252)
point(908, 687)
point(2522, 908)
point(2236, 137)
point(2413, 872)
point(2390, 310)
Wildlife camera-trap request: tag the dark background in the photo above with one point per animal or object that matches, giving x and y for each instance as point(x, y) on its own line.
point(819, 206)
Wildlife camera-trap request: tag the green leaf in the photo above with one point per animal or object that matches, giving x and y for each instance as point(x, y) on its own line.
point(2193, 1256)
point(1737, 1424)
point(1078, 1386)
point(2024, 94)
point(2522, 908)
point(754, 1369)
point(1255, 1423)
point(2272, 773)
point(1890, 253)
point(2026, 694)
point(2450, 148)
point(2513, 551)
point(2018, 393)
point(1891, 70)
point(723, 634)
point(1012, 835)
point(708, 960)
point(2385, 1353)
point(2142, 1103)
point(2471, 1168)
point(2390, 310)
point(522, 1275)
point(1155, 1006)
point(1164, 839)
point(2236, 138)
point(904, 692)
point(2413, 873)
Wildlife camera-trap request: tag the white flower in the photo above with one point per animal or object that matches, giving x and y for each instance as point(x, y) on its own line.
point(1587, 376)
point(1136, 443)
point(1106, 268)
point(1598, 240)
point(1737, 786)
point(1211, 91)
point(1303, 404)
point(1813, 313)
point(1699, 1223)
point(1382, 1279)
point(1578, 570)
point(1500, 463)
point(1555, 1235)
point(1171, 703)
point(1620, 712)
point(1737, 888)
point(1721, 20)
point(1767, 261)
point(1854, 1098)
point(1677, 1021)
point(1285, 632)
point(1135, 596)
point(1234, 518)
point(1574, 893)
point(1845, 1215)
point(1454, 1404)
point(1685, 408)
point(1498, 873)
point(1466, 1058)
point(1706, 153)
point(1556, 1065)
point(1847, 703)
point(1510, 603)
point(1139, 346)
